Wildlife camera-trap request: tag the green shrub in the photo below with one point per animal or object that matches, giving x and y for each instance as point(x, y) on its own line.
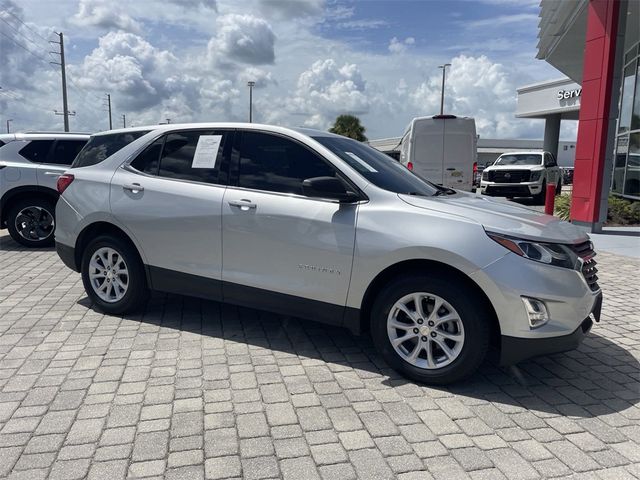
point(621, 211)
point(562, 206)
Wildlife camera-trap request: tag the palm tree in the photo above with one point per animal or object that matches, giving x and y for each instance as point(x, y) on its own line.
point(349, 126)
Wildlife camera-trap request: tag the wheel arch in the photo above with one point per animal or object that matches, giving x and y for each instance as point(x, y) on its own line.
point(26, 191)
point(96, 229)
point(422, 266)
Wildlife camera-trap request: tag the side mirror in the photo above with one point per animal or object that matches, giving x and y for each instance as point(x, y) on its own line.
point(328, 187)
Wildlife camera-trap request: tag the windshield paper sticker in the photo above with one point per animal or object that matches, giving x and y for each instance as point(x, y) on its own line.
point(206, 154)
point(362, 162)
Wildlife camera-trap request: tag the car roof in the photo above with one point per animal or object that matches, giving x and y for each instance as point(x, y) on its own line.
point(10, 137)
point(310, 132)
point(525, 152)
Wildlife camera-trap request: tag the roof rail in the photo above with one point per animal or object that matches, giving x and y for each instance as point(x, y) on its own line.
point(35, 132)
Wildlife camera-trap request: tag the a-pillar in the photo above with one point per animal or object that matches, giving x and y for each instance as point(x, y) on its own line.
point(552, 133)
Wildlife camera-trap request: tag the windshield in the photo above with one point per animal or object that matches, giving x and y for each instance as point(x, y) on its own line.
point(380, 169)
point(103, 146)
point(520, 159)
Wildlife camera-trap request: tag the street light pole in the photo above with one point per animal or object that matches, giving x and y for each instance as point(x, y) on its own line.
point(251, 84)
point(9, 121)
point(444, 69)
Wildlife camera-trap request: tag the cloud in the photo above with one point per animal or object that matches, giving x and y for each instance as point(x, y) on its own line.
point(398, 46)
point(103, 14)
point(190, 4)
point(326, 90)
point(502, 20)
point(244, 39)
point(363, 24)
point(287, 9)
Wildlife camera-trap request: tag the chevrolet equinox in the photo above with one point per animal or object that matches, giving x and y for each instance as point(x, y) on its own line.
point(314, 225)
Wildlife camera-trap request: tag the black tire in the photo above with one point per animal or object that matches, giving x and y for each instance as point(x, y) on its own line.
point(559, 188)
point(136, 293)
point(43, 222)
point(467, 304)
point(539, 199)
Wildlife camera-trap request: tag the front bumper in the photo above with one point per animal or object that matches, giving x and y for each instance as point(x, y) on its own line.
point(514, 349)
point(527, 189)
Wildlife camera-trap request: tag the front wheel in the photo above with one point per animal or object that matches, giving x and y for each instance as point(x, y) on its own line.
point(430, 329)
point(113, 275)
point(539, 199)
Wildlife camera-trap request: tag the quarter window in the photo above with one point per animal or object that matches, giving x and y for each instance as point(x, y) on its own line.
point(65, 151)
point(36, 151)
point(149, 160)
point(276, 164)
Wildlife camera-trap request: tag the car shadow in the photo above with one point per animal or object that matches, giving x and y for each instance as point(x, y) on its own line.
point(8, 244)
point(599, 378)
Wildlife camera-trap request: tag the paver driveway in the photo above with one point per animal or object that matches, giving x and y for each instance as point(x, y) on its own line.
point(194, 389)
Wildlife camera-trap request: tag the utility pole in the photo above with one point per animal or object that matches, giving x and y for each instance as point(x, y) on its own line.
point(9, 121)
point(251, 84)
point(65, 107)
point(108, 105)
point(444, 69)
point(124, 121)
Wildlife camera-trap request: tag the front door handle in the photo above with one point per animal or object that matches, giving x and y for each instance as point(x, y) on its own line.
point(133, 187)
point(243, 204)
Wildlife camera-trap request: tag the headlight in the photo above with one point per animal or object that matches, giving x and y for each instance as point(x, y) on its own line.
point(535, 175)
point(485, 175)
point(549, 253)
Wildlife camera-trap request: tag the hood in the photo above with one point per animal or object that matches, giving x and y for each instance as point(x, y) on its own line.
point(501, 216)
point(514, 167)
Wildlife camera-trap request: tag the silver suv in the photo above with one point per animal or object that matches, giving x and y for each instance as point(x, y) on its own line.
point(30, 164)
point(314, 225)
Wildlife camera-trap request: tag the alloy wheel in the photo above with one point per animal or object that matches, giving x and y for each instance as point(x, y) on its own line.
point(108, 274)
point(425, 330)
point(35, 223)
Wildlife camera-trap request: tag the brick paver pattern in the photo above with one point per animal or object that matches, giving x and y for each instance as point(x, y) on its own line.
point(191, 389)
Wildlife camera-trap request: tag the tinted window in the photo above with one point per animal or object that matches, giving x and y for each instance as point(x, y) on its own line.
point(1, 143)
point(378, 168)
point(178, 157)
point(100, 147)
point(65, 151)
point(149, 160)
point(36, 150)
point(276, 164)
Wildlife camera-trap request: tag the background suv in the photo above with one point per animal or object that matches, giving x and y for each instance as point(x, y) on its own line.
point(314, 225)
point(522, 174)
point(30, 164)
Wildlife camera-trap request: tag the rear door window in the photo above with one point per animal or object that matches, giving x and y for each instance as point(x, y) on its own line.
point(149, 160)
point(100, 147)
point(65, 151)
point(36, 151)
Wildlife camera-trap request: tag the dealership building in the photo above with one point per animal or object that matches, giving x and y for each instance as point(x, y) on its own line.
point(595, 43)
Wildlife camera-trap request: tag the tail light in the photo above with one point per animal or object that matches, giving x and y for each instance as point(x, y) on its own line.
point(475, 167)
point(410, 166)
point(63, 182)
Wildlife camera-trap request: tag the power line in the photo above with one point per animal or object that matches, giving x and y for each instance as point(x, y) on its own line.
point(23, 47)
point(17, 30)
point(28, 27)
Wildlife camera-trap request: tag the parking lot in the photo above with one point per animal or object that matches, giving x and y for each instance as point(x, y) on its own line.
point(194, 389)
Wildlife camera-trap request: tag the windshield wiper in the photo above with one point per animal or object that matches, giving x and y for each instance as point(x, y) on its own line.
point(443, 191)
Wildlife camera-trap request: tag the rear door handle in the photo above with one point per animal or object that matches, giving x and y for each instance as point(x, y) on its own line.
point(133, 187)
point(244, 204)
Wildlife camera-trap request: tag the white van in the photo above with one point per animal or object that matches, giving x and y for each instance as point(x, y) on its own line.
point(442, 149)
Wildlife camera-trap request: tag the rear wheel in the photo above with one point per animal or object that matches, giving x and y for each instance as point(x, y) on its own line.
point(31, 222)
point(113, 275)
point(430, 329)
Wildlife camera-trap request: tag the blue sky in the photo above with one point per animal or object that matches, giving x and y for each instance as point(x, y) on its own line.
point(189, 60)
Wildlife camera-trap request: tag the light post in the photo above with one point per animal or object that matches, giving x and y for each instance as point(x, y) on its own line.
point(251, 84)
point(9, 121)
point(444, 69)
